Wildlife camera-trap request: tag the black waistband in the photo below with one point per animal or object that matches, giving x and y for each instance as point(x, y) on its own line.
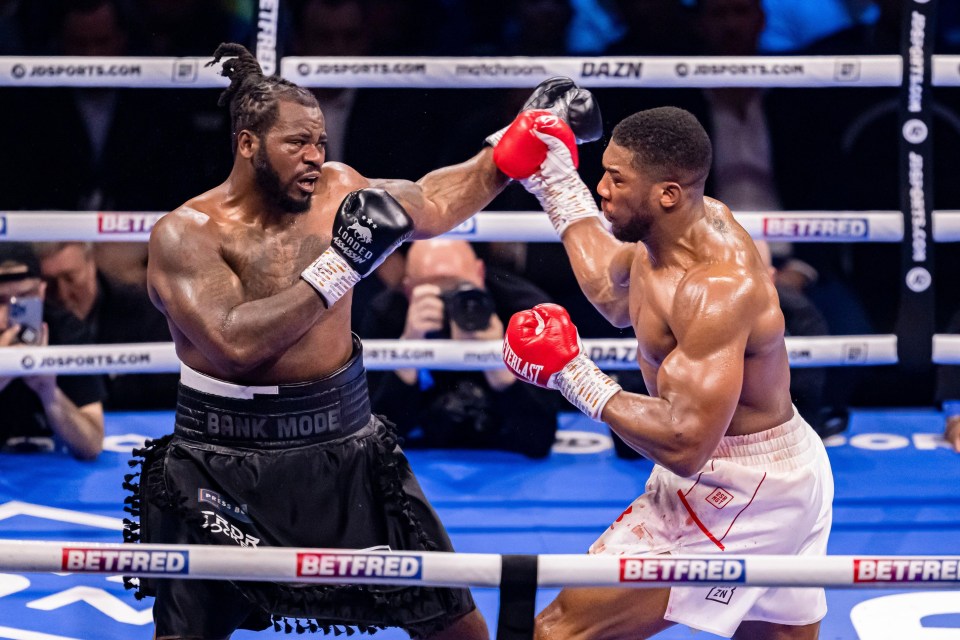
point(298, 414)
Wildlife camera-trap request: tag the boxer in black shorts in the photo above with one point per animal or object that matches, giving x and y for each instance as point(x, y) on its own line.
point(274, 443)
point(242, 468)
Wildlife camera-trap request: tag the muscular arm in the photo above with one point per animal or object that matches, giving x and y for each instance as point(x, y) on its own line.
point(601, 264)
point(202, 296)
point(699, 383)
point(444, 198)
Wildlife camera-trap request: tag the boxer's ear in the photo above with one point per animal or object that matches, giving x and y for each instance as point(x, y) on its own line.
point(247, 143)
point(669, 194)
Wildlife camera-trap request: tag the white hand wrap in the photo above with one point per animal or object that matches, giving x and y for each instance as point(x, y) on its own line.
point(331, 276)
point(559, 188)
point(585, 386)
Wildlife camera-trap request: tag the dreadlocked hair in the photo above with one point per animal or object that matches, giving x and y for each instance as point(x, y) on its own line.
point(253, 98)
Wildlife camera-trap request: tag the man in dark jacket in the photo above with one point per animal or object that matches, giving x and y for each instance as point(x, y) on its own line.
point(114, 313)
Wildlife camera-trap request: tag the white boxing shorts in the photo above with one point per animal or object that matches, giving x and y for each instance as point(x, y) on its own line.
point(763, 493)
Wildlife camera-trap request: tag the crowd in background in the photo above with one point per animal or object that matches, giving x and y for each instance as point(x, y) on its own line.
point(776, 149)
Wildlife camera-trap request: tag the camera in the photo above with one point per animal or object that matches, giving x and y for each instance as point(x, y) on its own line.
point(466, 305)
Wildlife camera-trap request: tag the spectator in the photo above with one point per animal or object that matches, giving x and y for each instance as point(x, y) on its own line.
point(113, 313)
point(41, 410)
point(448, 292)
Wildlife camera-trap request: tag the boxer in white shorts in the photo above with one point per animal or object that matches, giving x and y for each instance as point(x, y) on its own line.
point(765, 493)
point(738, 471)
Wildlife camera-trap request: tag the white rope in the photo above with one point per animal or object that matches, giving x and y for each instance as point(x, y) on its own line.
point(91, 71)
point(474, 72)
point(385, 355)
point(338, 566)
point(497, 226)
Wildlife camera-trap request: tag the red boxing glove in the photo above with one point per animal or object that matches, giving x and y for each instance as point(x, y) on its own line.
point(519, 153)
point(538, 343)
point(541, 346)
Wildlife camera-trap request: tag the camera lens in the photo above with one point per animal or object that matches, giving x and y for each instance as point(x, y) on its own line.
point(469, 307)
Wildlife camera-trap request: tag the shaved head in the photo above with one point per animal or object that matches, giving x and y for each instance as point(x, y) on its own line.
point(442, 262)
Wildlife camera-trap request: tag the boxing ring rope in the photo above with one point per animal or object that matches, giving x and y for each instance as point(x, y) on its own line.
point(482, 72)
point(430, 568)
point(496, 226)
point(459, 355)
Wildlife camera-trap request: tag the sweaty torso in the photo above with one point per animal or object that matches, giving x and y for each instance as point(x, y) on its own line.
point(268, 259)
point(660, 312)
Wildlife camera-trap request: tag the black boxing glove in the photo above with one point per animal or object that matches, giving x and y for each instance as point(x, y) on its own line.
point(573, 104)
point(369, 225)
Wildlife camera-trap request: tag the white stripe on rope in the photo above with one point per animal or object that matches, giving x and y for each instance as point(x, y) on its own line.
point(338, 566)
point(474, 72)
point(383, 355)
point(494, 226)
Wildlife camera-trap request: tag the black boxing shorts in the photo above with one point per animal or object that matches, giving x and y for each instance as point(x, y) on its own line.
point(301, 465)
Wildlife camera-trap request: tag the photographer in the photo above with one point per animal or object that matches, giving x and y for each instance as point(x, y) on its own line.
point(40, 410)
point(448, 293)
